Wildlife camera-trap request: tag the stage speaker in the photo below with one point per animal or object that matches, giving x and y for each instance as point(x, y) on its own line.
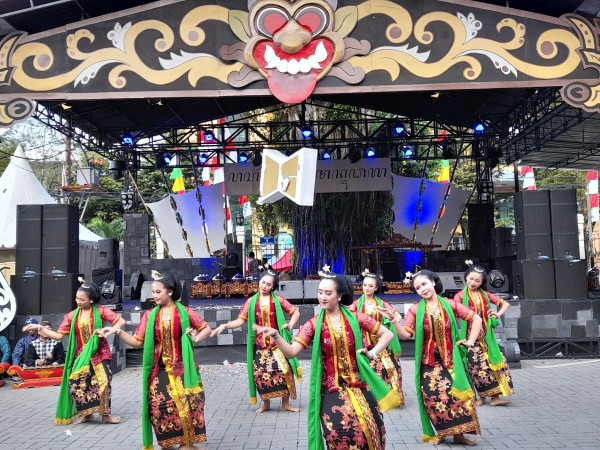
point(292, 290)
point(59, 293)
point(502, 242)
point(571, 278)
point(533, 225)
point(233, 258)
point(563, 213)
point(29, 238)
point(60, 238)
point(135, 285)
point(108, 254)
point(146, 298)
point(534, 279)
point(453, 282)
point(481, 224)
point(27, 292)
point(389, 265)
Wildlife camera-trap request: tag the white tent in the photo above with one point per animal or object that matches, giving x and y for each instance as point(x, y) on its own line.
point(20, 186)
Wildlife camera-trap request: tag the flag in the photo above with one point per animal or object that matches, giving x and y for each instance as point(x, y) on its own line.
point(243, 199)
point(592, 187)
point(528, 178)
point(444, 176)
point(178, 184)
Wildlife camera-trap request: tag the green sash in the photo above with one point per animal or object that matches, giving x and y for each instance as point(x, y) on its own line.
point(65, 409)
point(284, 332)
point(386, 397)
point(461, 389)
point(493, 355)
point(191, 376)
point(394, 346)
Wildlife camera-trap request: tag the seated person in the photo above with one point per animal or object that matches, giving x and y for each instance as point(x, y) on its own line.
point(5, 359)
point(253, 265)
point(265, 264)
point(44, 351)
point(20, 351)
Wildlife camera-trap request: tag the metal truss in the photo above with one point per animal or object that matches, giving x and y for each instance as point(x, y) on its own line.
point(560, 348)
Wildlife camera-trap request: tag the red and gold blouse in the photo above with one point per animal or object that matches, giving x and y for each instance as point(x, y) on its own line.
point(167, 338)
point(265, 316)
point(436, 331)
point(480, 306)
point(338, 349)
point(84, 330)
point(370, 340)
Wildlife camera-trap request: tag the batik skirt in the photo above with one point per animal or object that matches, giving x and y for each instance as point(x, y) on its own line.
point(487, 381)
point(176, 412)
point(350, 418)
point(273, 375)
point(388, 368)
point(90, 389)
point(448, 415)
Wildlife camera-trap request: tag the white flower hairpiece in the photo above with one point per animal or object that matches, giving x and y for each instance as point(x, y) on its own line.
point(326, 272)
point(155, 275)
point(81, 280)
point(468, 262)
point(408, 275)
point(366, 272)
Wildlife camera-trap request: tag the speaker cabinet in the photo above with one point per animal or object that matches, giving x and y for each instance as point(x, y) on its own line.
point(27, 292)
point(135, 285)
point(571, 279)
point(233, 258)
point(108, 254)
point(563, 213)
point(534, 279)
point(481, 224)
point(60, 238)
point(59, 293)
point(533, 225)
point(453, 282)
point(230, 272)
point(29, 238)
point(502, 242)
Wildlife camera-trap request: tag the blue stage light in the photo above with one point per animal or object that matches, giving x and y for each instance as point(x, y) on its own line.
point(399, 129)
point(167, 158)
point(209, 135)
point(307, 132)
point(408, 151)
point(202, 158)
point(326, 155)
point(479, 127)
point(127, 140)
point(370, 152)
point(243, 158)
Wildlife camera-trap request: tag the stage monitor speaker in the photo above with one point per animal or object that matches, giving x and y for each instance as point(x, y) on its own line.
point(481, 224)
point(534, 279)
point(59, 293)
point(565, 233)
point(146, 298)
point(60, 238)
point(135, 285)
point(29, 238)
point(453, 282)
point(571, 279)
point(108, 254)
point(502, 242)
point(234, 256)
point(28, 295)
point(533, 224)
point(292, 290)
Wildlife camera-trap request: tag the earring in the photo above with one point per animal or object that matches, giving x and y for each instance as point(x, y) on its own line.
point(170, 293)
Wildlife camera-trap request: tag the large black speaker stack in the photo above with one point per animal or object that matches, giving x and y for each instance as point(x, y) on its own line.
point(548, 264)
point(234, 260)
point(47, 253)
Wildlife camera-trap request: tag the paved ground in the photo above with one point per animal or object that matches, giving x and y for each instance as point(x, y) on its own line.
point(556, 406)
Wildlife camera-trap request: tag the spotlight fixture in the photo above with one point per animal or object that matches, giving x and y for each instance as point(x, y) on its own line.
point(127, 199)
point(448, 149)
point(326, 155)
point(209, 135)
point(354, 155)
point(494, 154)
point(486, 186)
point(167, 158)
point(398, 129)
point(370, 152)
point(257, 161)
point(243, 158)
point(202, 158)
point(116, 164)
point(408, 151)
point(163, 159)
point(307, 132)
point(479, 127)
point(127, 140)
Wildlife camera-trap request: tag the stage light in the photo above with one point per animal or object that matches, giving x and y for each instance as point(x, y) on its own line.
point(243, 158)
point(127, 140)
point(497, 282)
point(209, 135)
point(399, 129)
point(257, 161)
point(116, 164)
point(307, 132)
point(167, 158)
point(370, 152)
point(448, 149)
point(127, 200)
point(408, 151)
point(494, 154)
point(326, 155)
point(354, 155)
point(109, 289)
point(202, 158)
point(479, 127)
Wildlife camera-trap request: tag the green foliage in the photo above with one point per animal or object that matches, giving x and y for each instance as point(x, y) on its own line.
point(107, 230)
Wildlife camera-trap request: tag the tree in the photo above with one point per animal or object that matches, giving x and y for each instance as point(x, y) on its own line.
point(107, 230)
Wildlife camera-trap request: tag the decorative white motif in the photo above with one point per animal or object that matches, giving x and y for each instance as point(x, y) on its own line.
point(117, 35)
point(8, 303)
point(499, 62)
point(90, 72)
point(472, 25)
point(412, 51)
point(183, 57)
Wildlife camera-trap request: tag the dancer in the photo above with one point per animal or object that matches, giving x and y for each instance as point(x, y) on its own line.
point(443, 391)
point(387, 365)
point(487, 365)
point(85, 387)
point(346, 395)
point(172, 391)
point(268, 370)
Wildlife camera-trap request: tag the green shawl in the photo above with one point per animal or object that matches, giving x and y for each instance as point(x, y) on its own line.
point(191, 376)
point(493, 355)
point(394, 346)
point(386, 397)
point(65, 409)
point(284, 332)
point(461, 389)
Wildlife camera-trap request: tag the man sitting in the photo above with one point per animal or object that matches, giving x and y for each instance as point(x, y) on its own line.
point(20, 351)
point(44, 351)
point(5, 359)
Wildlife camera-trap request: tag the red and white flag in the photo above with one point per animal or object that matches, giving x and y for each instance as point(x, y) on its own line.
point(528, 178)
point(592, 189)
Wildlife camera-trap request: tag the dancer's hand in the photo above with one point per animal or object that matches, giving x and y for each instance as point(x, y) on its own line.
point(367, 353)
point(286, 326)
point(217, 331)
point(103, 332)
point(386, 312)
point(267, 331)
point(193, 333)
point(493, 314)
point(465, 342)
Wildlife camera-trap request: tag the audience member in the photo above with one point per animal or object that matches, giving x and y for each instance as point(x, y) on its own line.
point(20, 351)
point(5, 361)
point(44, 351)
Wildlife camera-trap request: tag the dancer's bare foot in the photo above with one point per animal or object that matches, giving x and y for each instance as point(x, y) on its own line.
point(111, 419)
point(285, 404)
point(462, 439)
point(497, 401)
point(264, 407)
point(84, 419)
point(480, 401)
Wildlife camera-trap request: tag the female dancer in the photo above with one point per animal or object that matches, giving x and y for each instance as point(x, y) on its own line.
point(487, 365)
point(443, 390)
point(172, 392)
point(346, 395)
point(387, 365)
point(85, 387)
point(268, 370)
